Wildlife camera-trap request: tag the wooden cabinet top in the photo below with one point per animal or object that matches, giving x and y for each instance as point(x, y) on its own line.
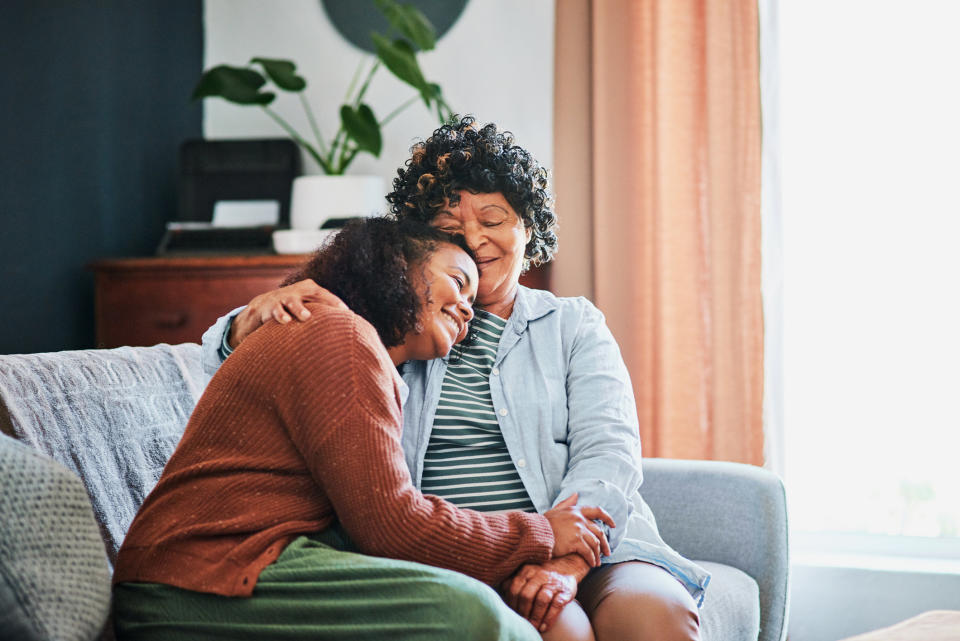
point(181, 263)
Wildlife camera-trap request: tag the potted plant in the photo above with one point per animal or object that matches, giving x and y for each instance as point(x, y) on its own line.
point(316, 198)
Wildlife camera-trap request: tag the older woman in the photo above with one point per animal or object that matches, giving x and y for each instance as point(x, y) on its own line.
point(538, 405)
point(290, 474)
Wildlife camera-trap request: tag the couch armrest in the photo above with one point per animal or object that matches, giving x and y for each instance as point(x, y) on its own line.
point(728, 513)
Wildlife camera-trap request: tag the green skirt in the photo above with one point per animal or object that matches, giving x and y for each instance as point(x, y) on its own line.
point(318, 590)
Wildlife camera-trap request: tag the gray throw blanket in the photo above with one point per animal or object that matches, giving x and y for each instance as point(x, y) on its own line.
point(111, 416)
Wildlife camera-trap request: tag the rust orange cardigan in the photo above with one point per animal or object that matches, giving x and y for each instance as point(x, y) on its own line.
point(298, 428)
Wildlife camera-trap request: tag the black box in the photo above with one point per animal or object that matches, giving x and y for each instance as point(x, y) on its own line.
point(255, 169)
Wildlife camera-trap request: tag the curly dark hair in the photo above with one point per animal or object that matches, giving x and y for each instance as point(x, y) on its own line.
point(373, 265)
point(460, 155)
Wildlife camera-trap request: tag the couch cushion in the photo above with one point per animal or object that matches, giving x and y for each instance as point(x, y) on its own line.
point(54, 579)
point(731, 607)
point(113, 417)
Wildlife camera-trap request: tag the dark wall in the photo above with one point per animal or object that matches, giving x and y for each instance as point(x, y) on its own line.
point(94, 104)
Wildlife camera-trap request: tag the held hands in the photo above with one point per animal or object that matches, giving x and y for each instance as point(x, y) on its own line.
point(281, 305)
point(574, 531)
point(539, 593)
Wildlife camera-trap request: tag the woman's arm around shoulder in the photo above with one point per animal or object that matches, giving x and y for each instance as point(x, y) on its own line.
point(282, 305)
point(211, 344)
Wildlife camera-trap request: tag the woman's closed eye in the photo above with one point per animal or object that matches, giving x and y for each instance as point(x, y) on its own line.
point(463, 285)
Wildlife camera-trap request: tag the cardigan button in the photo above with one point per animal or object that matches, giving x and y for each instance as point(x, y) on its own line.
point(504, 412)
point(522, 462)
point(496, 371)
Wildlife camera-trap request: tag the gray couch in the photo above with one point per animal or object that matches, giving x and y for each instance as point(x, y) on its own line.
point(113, 417)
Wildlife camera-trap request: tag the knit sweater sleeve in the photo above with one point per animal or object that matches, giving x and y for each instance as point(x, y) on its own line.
point(346, 420)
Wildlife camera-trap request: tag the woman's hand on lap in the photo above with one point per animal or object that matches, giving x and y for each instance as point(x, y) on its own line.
point(539, 593)
point(575, 532)
point(282, 305)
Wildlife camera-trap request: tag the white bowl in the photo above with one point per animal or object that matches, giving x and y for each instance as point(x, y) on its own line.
point(300, 241)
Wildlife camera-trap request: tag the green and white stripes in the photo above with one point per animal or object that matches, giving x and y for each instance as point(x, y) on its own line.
point(467, 462)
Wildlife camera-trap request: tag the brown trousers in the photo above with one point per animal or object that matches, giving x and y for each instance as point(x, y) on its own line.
point(632, 601)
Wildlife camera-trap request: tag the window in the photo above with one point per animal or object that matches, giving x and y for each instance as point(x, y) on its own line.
point(869, 152)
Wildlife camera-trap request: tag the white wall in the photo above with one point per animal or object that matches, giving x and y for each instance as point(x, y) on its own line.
point(495, 62)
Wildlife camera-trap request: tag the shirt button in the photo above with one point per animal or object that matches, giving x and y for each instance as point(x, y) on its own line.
point(504, 412)
point(522, 462)
point(496, 371)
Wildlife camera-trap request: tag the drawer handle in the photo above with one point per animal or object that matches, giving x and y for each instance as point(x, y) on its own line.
point(170, 320)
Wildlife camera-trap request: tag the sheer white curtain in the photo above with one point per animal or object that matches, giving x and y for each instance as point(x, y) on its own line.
point(771, 237)
point(867, 133)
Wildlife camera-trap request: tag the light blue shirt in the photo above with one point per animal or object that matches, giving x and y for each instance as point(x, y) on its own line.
point(564, 400)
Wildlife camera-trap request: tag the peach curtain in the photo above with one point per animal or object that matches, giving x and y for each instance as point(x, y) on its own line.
point(657, 124)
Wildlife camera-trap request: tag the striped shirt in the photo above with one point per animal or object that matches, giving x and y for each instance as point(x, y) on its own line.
point(467, 462)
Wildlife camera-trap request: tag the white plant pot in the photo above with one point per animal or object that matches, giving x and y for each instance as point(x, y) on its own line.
point(315, 199)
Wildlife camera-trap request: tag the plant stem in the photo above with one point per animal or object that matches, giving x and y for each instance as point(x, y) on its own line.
point(399, 109)
point(366, 83)
point(347, 157)
point(338, 141)
point(313, 124)
point(353, 81)
point(299, 140)
point(347, 152)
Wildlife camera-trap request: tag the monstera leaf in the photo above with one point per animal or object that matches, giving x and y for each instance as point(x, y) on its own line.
point(410, 23)
point(236, 84)
point(361, 125)
point(282, 73)
point(400, 58)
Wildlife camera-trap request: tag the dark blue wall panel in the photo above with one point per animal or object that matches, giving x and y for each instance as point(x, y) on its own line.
point(94, 104)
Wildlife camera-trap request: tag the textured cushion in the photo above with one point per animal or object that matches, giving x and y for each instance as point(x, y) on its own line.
point(727, 513)
point(113, 417)
point(732, 610)
point(54, 580)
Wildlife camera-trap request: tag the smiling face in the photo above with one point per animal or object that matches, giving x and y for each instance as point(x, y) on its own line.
point(447, 287)
point(498, 238)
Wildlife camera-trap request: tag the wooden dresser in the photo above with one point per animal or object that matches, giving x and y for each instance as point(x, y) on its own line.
point(145, 301)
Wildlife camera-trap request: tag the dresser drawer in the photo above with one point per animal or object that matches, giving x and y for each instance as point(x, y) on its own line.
point(145, 301)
